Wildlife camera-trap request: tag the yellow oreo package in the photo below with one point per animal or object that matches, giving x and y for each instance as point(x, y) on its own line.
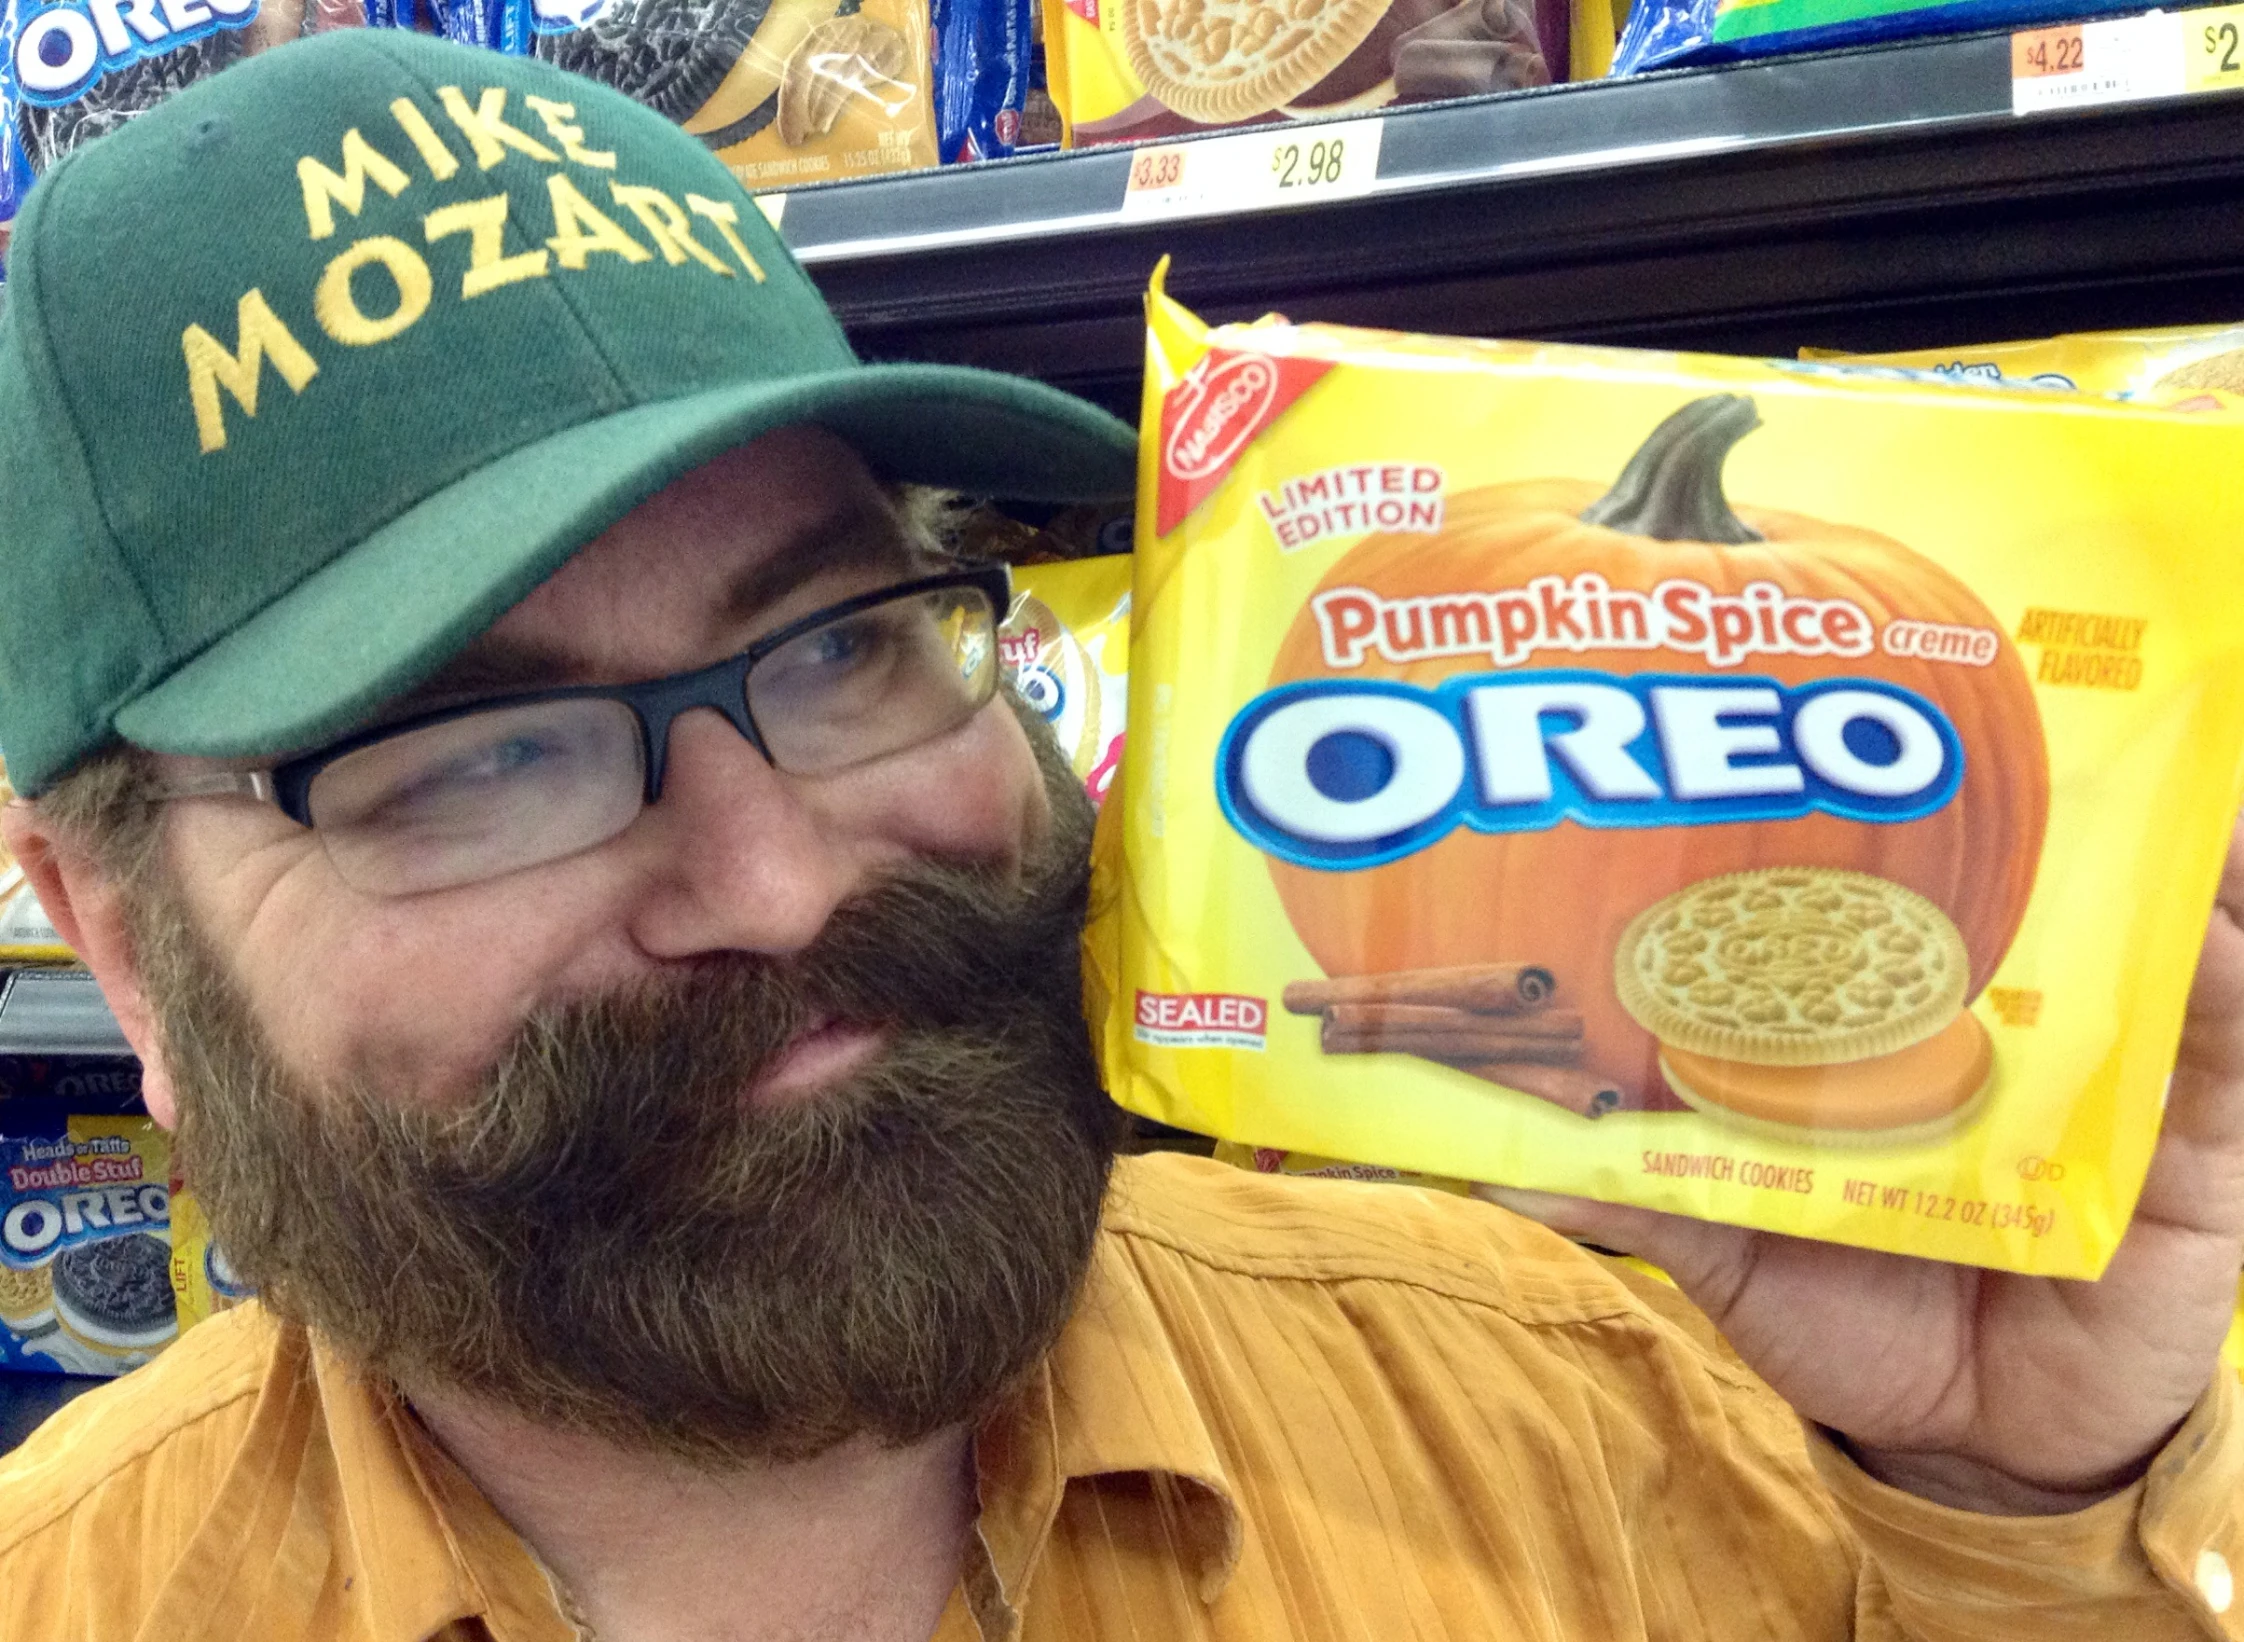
point(2188, 367)
point(1066, 644)
point(1646, 776)
point(203, 1283)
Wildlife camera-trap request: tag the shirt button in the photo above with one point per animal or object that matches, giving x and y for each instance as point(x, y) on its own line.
point(2214, 1582)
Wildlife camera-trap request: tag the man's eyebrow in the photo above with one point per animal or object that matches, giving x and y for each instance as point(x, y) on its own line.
point(488, 667)
point(871, 539)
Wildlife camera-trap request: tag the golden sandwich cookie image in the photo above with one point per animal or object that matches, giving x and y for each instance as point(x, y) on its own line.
point(1792, 998)
point(1222, 62)
point(27, 1301)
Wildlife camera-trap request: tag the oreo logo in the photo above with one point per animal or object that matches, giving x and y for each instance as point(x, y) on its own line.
point(61, 50)
point(35, 1225)
point(1041, 688)
point(1350, 775)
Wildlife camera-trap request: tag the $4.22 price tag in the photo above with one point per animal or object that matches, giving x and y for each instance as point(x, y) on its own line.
point(2114, 60)
point(1254, 170)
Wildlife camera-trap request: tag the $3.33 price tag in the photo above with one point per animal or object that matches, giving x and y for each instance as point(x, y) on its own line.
point(1254, 170)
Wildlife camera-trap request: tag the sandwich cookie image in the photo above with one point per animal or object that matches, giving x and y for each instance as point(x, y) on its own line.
point(1809, 998)
point(716, 67)
point(27, 1301)
point(113, 1297)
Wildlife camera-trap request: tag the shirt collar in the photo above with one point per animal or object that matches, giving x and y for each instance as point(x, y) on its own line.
point(416, 1546)
point(417, 1537)
point(340, 1517)
point(1111, 1398)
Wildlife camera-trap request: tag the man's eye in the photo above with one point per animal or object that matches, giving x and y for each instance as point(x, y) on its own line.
point(845, 644)
point(471, 775)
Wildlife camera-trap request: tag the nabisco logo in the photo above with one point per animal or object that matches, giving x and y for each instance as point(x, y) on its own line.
point(1219, 414)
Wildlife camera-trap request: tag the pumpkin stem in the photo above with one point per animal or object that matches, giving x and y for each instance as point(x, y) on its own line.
point(1671, 489)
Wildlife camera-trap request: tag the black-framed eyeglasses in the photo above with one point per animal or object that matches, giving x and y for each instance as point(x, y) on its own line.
point(470, 792)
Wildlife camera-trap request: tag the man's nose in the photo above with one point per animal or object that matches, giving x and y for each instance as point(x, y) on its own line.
point(736, 862)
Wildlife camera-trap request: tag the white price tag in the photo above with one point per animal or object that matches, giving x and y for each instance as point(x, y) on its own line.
point(2079, 65)
point(1264, 170)
point(773, 206)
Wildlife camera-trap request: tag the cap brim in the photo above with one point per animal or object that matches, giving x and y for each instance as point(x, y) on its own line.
point(379, 619)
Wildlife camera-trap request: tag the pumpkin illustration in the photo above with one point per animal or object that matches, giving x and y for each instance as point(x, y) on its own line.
point(1560, 897)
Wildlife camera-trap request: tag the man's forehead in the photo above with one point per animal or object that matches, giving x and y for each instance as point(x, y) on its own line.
point(685, 576)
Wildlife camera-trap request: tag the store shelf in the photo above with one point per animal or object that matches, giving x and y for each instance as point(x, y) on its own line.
point(1873, 198)
point(57, 1012)
point(27, 1399)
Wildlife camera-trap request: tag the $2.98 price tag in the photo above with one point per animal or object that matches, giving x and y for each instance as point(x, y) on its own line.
point(2213, 49)
point(1254, 170)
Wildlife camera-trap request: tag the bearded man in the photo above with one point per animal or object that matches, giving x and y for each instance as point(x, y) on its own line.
point(540, 802)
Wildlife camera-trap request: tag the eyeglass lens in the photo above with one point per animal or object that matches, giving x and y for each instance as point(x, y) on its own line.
point(492, 792)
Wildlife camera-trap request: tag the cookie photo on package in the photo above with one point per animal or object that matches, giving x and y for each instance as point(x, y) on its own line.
point(1704, 783)
point(1130, 70)
point(782, 91)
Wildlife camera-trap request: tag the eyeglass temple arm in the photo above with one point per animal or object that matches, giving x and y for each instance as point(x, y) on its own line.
point(256, 784)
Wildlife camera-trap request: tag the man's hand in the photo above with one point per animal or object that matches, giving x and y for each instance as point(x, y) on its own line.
point(1982, 1389)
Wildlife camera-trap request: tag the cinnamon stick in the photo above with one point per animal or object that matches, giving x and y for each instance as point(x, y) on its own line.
point(1579, 1090)
point(1484, 989)
point(1465, 1043)
point(1407, 1018)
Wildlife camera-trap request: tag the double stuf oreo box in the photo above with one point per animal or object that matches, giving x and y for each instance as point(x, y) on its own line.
point(85, 1240)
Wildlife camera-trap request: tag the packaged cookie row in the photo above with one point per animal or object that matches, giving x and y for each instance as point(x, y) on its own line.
point(1714, 784)
point(784, 91)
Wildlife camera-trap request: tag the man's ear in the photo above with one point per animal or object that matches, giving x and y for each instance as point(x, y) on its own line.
point(87, 909)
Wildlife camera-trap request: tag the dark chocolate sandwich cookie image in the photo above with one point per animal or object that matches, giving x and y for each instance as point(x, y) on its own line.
point(713, 66)
point(670, 55)
point(48, 133)
point(114, 1296)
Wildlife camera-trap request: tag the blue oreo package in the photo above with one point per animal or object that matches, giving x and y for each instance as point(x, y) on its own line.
point(984, 52)
point(71, 70)
point(1675, 33)
point(85, 1240)
point(497, 25)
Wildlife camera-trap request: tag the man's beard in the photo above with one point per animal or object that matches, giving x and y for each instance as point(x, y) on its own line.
point(606, 1237)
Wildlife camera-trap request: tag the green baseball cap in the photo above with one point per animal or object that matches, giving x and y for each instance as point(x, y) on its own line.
point(311, 372)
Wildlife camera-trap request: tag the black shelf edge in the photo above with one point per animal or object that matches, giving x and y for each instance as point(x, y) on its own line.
point(1881, 197)
point(1576, 129)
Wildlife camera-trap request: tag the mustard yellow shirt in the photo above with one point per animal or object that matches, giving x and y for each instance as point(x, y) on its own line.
point(1290, 1409)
